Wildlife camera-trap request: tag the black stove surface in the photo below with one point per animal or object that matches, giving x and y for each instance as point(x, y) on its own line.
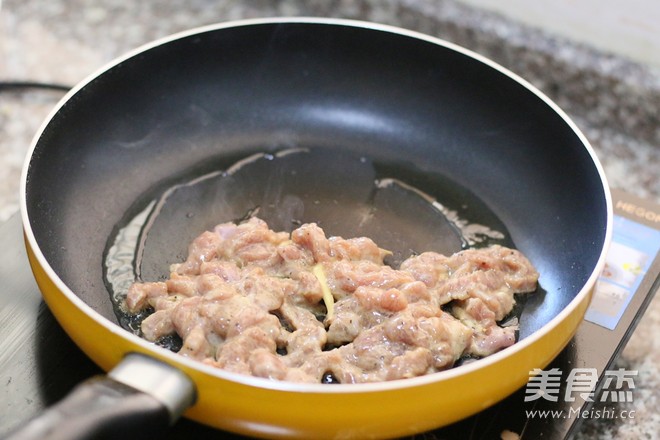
point(39, 364)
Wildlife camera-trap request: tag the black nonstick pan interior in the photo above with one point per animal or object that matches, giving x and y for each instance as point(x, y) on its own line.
point(344, 107)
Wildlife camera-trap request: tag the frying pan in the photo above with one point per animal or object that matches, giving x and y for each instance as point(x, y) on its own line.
point(202, 127)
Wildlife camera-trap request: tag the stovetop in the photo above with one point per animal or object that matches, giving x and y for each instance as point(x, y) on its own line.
point(39, 364)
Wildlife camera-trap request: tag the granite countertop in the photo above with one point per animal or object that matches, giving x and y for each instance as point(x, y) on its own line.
point(615, 102)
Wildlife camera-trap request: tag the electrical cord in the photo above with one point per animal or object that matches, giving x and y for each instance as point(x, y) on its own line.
point(23, 85)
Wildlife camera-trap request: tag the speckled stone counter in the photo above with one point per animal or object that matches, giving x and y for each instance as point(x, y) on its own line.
point(616, 103)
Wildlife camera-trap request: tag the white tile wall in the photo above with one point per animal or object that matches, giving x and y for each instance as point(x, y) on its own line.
point(624, 27)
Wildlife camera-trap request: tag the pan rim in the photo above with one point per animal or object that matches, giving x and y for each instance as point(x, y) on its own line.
point(304, 387)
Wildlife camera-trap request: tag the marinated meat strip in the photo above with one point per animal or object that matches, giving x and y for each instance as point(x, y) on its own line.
point(299, 306)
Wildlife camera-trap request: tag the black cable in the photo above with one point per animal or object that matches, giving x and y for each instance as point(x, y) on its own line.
point(21, 85)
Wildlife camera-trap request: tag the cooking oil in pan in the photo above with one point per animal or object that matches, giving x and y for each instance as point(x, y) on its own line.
point(399, 207)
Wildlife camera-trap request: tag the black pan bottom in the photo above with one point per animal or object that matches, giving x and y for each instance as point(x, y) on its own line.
point(403, 210)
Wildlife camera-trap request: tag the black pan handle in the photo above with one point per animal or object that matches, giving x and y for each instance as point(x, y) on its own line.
point(140, 395)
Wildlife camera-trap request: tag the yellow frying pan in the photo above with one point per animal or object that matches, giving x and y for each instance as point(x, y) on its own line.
point(476, 138)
